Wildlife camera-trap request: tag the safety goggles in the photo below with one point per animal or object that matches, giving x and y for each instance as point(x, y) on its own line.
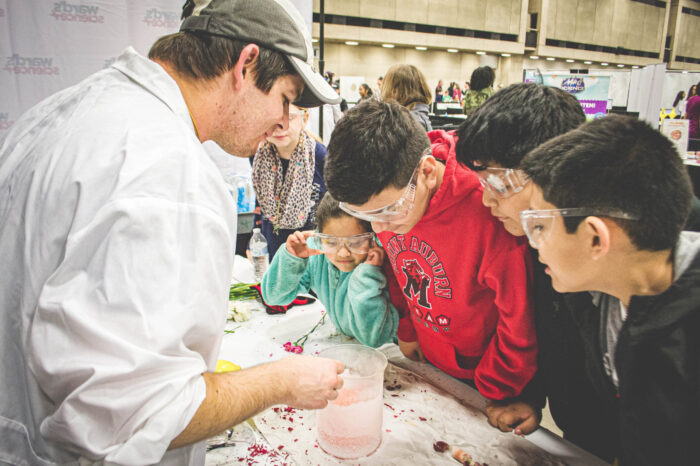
point(396, 210)
point(503, 182)
point(357, 244)
point(538, 224)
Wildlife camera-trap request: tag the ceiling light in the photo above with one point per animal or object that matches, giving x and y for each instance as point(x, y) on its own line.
point(481, 53)
point(635, 67)
point(388, 46)
point(351, 42)
point(685, 72)
point(588, 62)
point(505, 55)
point(534, 57)
point(603, 64)
point(620, 65)
point(550, 59)
point(314, 40)
point(421, 48)
point(569, 60)
point(452, 50)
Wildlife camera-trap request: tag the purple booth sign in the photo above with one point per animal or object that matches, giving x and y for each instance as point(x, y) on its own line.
point(594, 108)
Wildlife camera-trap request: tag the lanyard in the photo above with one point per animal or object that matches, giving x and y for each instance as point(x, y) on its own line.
point(196, 131)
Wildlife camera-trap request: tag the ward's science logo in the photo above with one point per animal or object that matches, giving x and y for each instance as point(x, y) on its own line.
point(76, 12)
point(573, 85)
point(17, 64)
point(156, 18)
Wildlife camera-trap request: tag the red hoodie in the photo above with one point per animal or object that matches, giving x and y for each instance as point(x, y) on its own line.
point(464, 282)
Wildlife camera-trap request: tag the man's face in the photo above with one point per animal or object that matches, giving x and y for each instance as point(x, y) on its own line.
point(251, 116)
point(508, 209)
point(564, 254)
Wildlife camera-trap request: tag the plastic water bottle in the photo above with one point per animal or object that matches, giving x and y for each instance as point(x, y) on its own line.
point(259, 254)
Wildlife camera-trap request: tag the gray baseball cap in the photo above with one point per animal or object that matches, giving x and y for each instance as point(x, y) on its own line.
point(273, 24)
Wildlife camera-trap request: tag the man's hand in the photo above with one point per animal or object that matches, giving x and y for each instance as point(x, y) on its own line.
point(411, 349)
point(516, 416)
point(296, 245)
point(310, 381)
point(232, 397)
point(375, 256)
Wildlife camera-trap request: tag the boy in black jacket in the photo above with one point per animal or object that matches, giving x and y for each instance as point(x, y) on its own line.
point(608, 203)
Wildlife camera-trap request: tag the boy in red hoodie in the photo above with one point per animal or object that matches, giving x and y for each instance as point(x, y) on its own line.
point(464, 279)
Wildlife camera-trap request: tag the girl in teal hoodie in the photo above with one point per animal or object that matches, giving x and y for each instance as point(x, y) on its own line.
point(346, 275)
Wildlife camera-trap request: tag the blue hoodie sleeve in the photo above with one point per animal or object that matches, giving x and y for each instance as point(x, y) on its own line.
point(287, 277)
point(367, 310)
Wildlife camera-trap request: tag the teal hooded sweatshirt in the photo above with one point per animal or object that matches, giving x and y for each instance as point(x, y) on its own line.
point(357, 301)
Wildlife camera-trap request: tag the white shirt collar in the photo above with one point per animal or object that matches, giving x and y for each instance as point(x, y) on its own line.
point(152, 77)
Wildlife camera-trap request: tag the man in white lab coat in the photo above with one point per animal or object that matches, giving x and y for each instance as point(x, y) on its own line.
point(117, 235)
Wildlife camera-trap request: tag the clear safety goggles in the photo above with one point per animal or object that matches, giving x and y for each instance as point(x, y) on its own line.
point(503, 182)
point(357, 244)
point(396, 210)
point(538, 224)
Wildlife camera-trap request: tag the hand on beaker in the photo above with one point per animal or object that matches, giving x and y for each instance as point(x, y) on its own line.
point(309, 382)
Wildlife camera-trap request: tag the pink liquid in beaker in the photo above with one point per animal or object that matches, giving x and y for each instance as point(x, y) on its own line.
point(351, 430)
point(351, 425)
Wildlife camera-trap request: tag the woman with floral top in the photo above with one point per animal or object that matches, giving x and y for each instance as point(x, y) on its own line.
point(288, 180)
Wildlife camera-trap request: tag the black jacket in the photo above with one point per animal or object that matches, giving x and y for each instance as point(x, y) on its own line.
point(575, 405)
point(657, 407)
point(580, 406)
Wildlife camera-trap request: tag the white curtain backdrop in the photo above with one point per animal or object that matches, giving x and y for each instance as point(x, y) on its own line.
point(48, 45)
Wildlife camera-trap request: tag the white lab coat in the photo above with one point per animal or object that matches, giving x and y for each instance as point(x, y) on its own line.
point(116, 242)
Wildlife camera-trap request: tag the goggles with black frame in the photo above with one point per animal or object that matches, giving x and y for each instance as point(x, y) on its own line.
point(538, 224)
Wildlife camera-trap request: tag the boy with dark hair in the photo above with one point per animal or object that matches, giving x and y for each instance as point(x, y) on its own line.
point(516, 119)
point(609, 201)
point(469, 311)
point(493, 142)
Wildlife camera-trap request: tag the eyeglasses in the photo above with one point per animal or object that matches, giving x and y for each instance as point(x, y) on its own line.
point(357, 244)
point(538, 224)
point(503, 182)
point(396, 210)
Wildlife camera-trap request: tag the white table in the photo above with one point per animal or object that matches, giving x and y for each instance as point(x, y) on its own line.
point(260, 340)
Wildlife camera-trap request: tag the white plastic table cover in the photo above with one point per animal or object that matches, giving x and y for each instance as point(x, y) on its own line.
point(428, 406)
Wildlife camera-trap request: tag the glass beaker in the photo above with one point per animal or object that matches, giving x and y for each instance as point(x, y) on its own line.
point(351, 425)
